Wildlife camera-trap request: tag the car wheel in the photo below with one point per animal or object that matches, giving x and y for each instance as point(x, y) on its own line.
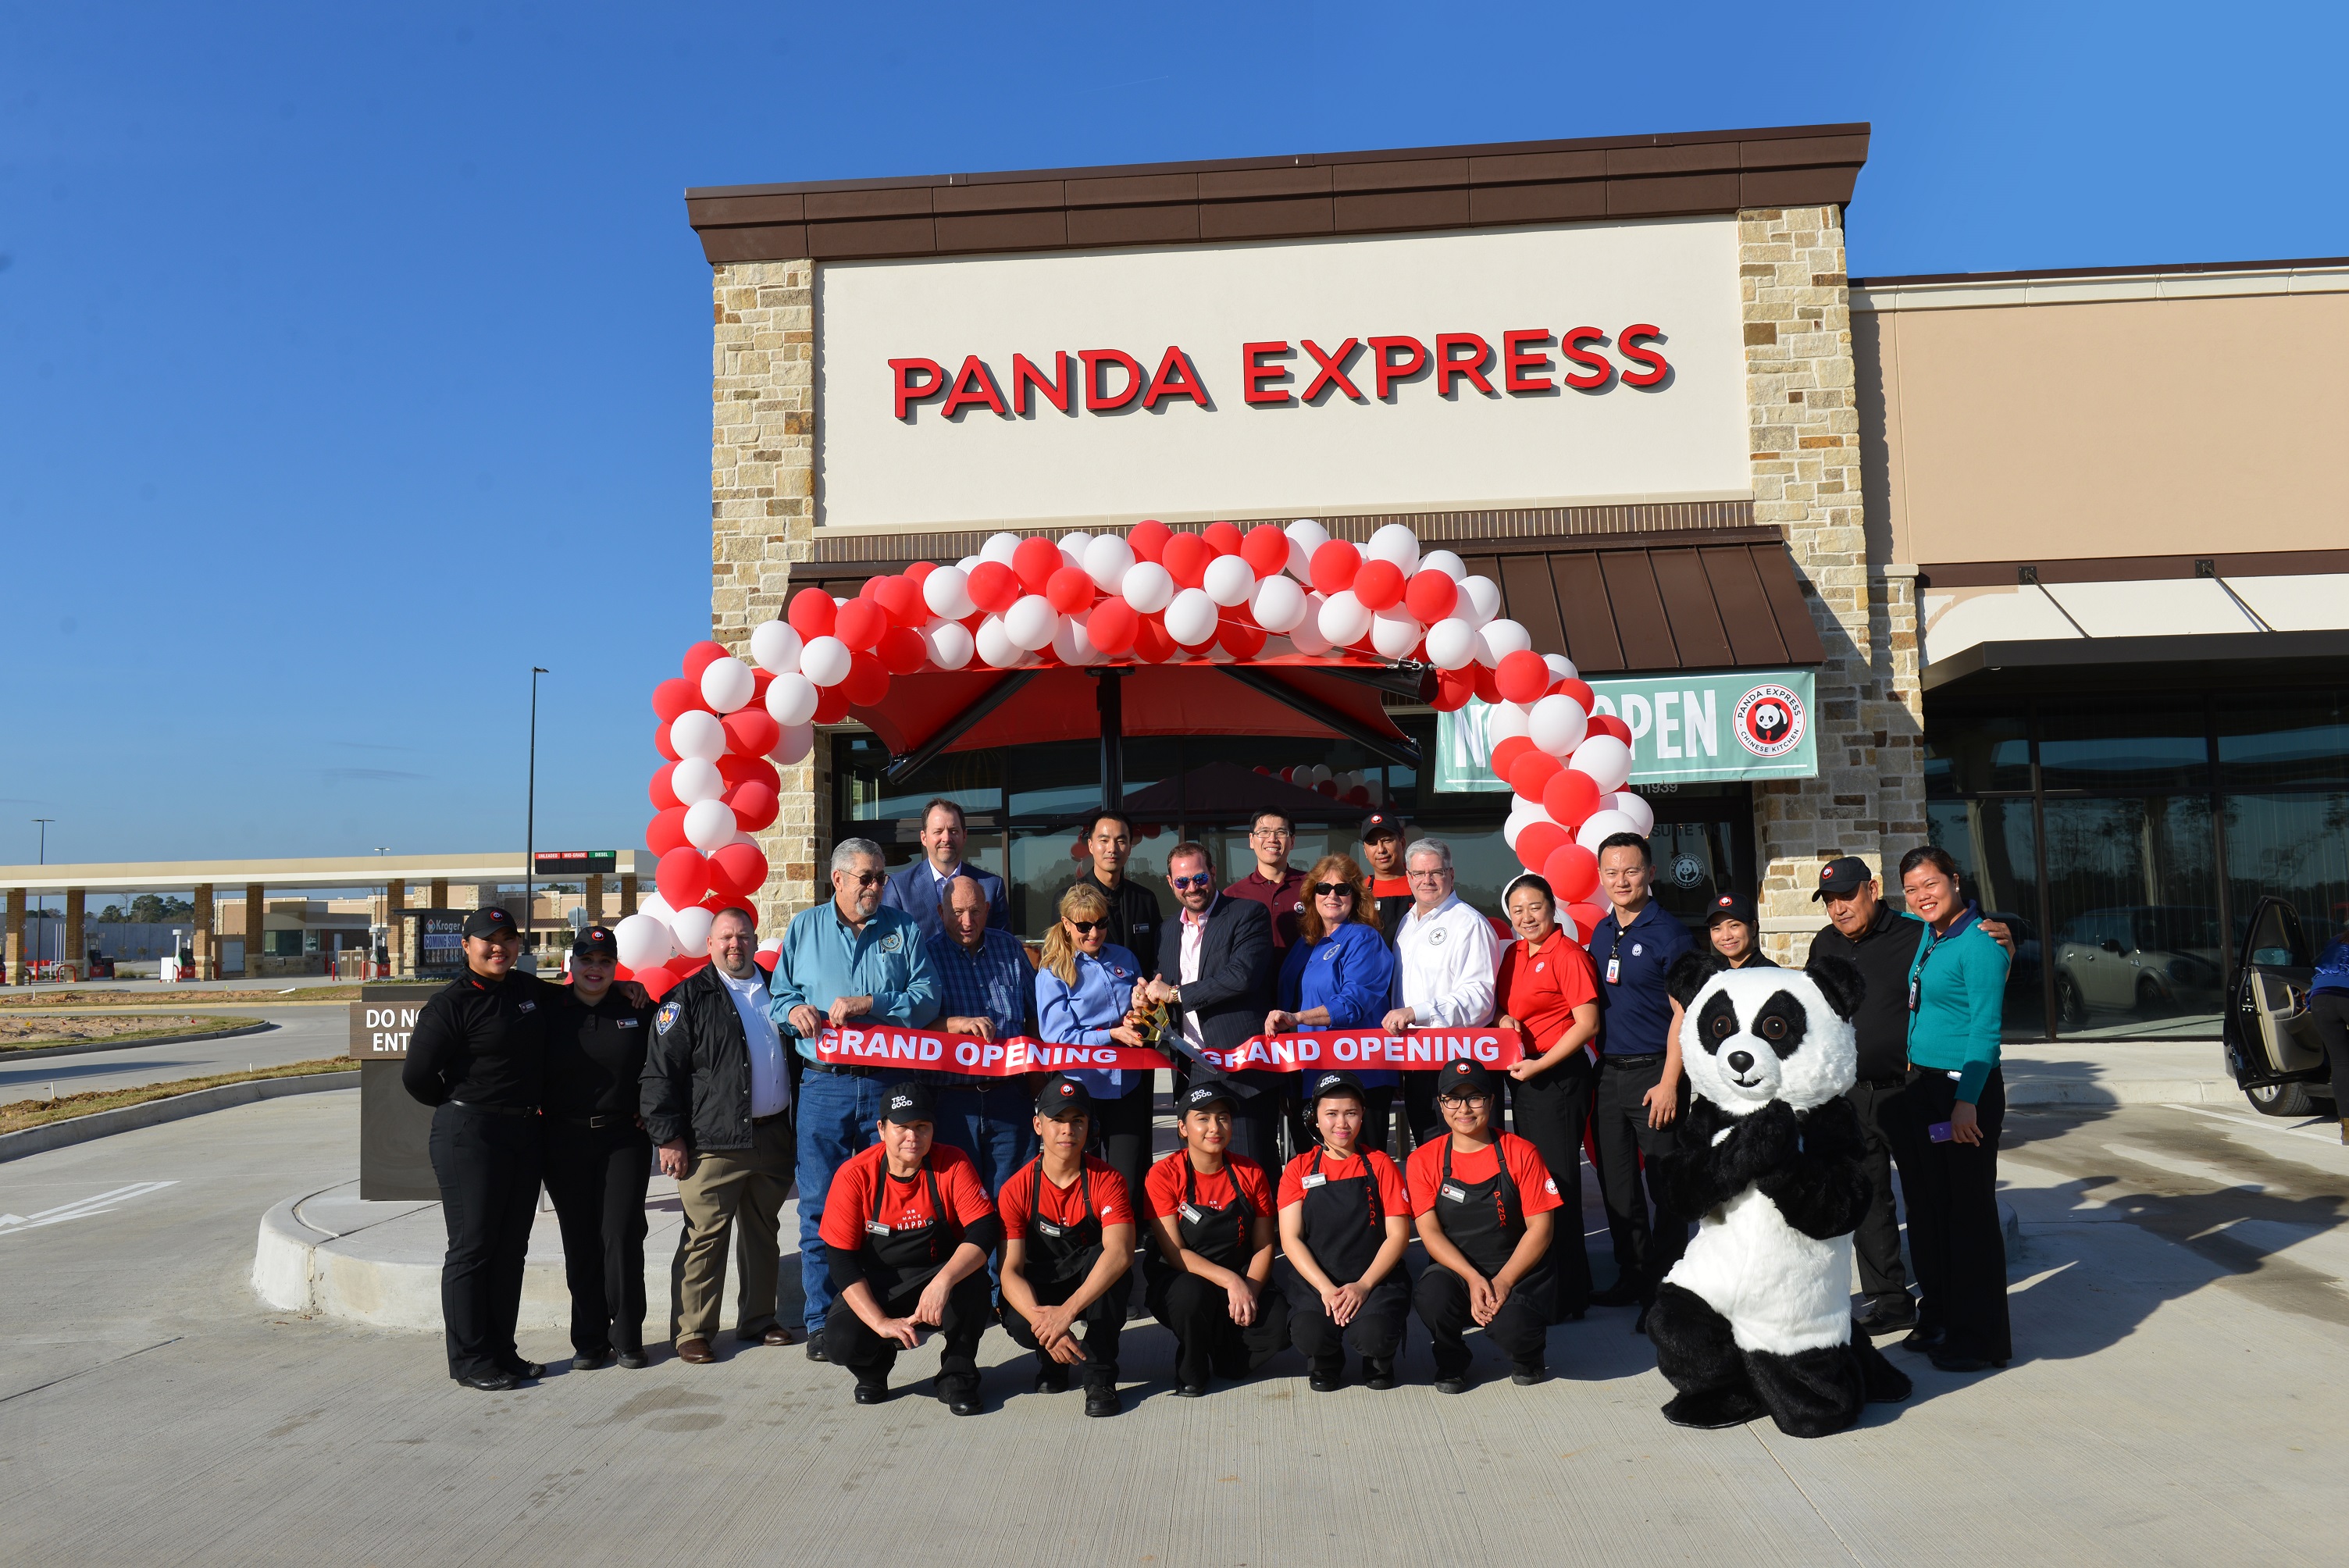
point(2152, 1002)
point(2282, 1099)
point(2071, 1007)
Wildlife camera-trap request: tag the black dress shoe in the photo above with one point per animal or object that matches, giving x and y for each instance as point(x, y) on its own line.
point(1190, 1390)
point(872, 1393)
point(1101, 1400)
point(525, 1369)
point(1963, 1363)
point(1923, 1340)
point(1887, 1314)
point(1326, 1380)
point(1528, 1373)
point(1052, 1378)
point(633, 1360)
point(1456, 1383)
point(815, 1347)
point(1378, 1374)
point(964, 1402)
point(595, 1362)
point(492, 1382)
point(1622, 1293)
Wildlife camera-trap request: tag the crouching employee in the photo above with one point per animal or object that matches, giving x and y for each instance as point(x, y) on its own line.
point(1068, 1248)
point(1345, 1221)
point(1483, 1200)
point(906, 1231)
point(1211, 1216)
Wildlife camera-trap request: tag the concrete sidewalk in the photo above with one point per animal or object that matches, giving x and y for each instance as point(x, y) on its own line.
point(2117, 1072)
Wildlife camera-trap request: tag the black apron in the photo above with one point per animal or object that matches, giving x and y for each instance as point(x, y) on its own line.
point(1343, 1226)
point(1485, 1221)
point(1061, 1254)
point(1222, 1236)
point(900, 1260)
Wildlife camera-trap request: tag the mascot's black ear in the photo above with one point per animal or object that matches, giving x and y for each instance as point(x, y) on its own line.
point(1839, 981)
point(1689, 975)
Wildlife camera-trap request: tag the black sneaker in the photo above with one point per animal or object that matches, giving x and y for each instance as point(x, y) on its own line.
point(1052, 1378)
point(633, 1360)
point(872, 1393)
point(1528, 1373)
point(1456, 1384)
point(1378, 1373)
point(1326, 1378)
point(1890, 1313)
point(816, 1345)
point(1101, 1400)
point(525, 1370)
point(595, 1361)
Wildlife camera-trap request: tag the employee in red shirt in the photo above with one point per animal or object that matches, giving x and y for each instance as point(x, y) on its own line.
point(1483, 1200)
point(1345, 1221)
point(1068, 1248)
point(1210, 1280)
point(1382, 858)
point(1548, 992)
point(1275, 884)
point(907, 1229)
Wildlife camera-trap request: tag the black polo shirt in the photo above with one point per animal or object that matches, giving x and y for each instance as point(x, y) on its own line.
point(1635, 1009)
point(1882, 955)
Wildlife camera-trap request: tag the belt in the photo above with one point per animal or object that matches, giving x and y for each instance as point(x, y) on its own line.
point(836, 1069)
point(1895, 1081)
point(597, 1123)
point(495, 1109)
point(1618, 1060)
point(763, 1120)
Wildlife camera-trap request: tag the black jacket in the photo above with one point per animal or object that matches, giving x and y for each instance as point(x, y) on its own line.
point(696, 1082)
point(596, 1055)
point(1236, 970)
point(1136, 919)
point(482, 1042)
point(1882, 955)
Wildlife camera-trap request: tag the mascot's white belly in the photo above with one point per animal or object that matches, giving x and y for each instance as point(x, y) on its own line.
point(1781, 1290)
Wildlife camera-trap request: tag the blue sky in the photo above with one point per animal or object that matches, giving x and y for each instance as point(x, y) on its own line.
point(355, 359)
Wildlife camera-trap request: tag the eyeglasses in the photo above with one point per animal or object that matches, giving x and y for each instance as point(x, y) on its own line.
point(1183, 884)
point(866, 879)
point(1087, 927)
point(1271, 833)
point(1466, 1101)
point(1438, 874)
point(1333, 890)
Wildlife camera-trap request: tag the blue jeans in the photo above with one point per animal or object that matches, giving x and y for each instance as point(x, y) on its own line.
point(837, 1116)
point(996, 1127)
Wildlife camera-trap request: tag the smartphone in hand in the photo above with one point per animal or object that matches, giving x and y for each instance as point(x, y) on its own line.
point(1939, 1132)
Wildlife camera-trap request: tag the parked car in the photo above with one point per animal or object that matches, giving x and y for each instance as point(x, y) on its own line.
point(2270, 1042)
point(2152, 960)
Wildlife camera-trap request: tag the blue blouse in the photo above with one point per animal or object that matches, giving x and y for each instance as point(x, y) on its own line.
point(1349, 972)
point(1084, 1013)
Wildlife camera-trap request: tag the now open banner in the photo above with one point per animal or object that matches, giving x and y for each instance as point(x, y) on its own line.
point(1748, 723)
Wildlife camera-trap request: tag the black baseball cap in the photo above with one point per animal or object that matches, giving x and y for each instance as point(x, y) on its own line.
point(1377, 824)
point(1462, 1077)
point(1200, 1096)
point(596, 942)
point(1337, 1083)
point(1059, 1095)
point(492, 920)
point(1842, 877)
point(1731, 906)
point(906, 1103)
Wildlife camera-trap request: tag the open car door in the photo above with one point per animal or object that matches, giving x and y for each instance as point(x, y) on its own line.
point(2270, 1041)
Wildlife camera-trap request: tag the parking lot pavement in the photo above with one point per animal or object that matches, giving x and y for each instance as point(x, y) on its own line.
point(2180, 1324)
point(301, 1035)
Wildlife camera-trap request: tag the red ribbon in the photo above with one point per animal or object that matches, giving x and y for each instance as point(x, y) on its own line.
point(1343, 1050)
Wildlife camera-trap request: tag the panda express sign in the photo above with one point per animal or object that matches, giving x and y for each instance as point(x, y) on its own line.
point(1685, 729)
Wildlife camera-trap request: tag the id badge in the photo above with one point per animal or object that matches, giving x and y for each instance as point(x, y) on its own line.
point(1049, 1230)
point(1915, 998)
point(1189, 1213)
point(1313, 1181)
point(876, 1228)
point(1452, 1192)
point(1614, 970)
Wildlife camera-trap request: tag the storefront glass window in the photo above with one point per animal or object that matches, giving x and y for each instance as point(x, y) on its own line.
point(972, 780)
point(2137, 947)
point(1996, 849)
point(2113, 745)
point(1970, 753)
point(2299, 740)
point(1695, 864)
point(2295, 847)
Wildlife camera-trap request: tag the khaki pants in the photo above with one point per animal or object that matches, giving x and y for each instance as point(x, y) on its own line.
point(718, 1187)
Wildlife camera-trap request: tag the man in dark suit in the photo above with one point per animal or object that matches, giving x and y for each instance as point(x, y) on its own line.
point(921, 887)
point(1216, 964)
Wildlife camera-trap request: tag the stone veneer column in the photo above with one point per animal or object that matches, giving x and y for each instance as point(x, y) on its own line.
point(75, 952)
point(762, 518)
point(256, 912)
point(1868, 798)
point(207, 967)
point(16, 937)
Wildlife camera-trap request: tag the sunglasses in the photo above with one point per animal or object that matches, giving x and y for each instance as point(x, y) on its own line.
point(1205, 878)
point(1333, 890)
point(868, 879)
point(1087, 927)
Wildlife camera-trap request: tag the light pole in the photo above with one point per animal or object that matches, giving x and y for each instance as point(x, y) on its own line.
point(530, 824)
point(44, 924)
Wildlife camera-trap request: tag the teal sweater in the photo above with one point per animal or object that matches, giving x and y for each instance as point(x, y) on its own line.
point(1959, 981)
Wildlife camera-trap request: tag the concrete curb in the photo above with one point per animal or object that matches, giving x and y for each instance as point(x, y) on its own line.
point(35, 1053)
point(2122, 1091)
point(155, 1112)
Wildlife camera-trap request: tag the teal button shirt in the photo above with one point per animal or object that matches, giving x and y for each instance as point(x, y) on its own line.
point(1960, 982)
point(823, 958)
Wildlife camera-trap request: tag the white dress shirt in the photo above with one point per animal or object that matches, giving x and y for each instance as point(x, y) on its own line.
point(770, 1088)
point(1446, 961)
point(1195, 942)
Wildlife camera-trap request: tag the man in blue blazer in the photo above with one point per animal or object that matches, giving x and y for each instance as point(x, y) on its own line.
point(1216, 966)
point(920, 888)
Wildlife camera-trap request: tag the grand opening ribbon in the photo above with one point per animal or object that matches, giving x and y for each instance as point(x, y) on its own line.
point(1360, 1050)
point(935, 1050)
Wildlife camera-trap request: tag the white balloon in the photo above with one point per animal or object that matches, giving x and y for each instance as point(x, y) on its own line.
point(1306, 636)
point(1344, 619)
point(1505, 719)
point(825, 661)
point(1074, 644)
point(1394, 542)
point(690, 927)
point(1072, 547)
point(1106, 560)
point(727, 684)
point(999, 547)
point(1148, 587)
point(652, 903)
point(1191, 618)
point(1642, 815)
point(697, 734)
point(1443, 561)
point(1557, 723)
point(1230, 580)
point(1480, 600)
point(1565, 923)
point(776, 647)
point(709, 825)
point(1030, 623)
point(993, 647)
point(1280, 605)
point(950, 645)
point(1321, 774)
point(1502, 638)
point(696, 779)
point(791, 699)
point(965, 563)
point(643, 939)
point(947, 592)
point(1607, 759)
point(1601, 826)
point(1304, 537)
point(1561, 668)
point(1452, 643)
point(1394, 634)
point(797, 741)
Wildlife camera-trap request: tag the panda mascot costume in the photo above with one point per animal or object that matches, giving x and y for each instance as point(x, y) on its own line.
point(1755, 1317)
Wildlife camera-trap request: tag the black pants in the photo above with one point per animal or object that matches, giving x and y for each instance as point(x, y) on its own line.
point(596, 1177)
point(1953, 1230)
point(1100, 1324)
point(1520, 1329)
point(1643, 1253)
point(1421, 1114)
point(2329, 1011)
point(969, 1311)
point(1550, 1110)
point(1122, 1133)
point(1877, 1243)
point(1376, 1332)
point(1206, 1340)
point(487, 1166)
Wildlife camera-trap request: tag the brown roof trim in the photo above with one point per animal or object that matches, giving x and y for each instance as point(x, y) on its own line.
point(2158, 269)
point(1387, 190)
point(2135, 568)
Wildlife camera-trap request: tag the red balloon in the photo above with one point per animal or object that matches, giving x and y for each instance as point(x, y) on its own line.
point(683, 877)
point(1147, 539)
point(1522, 675)
point(740, 868)
point(994, 586)
point(871, 588)
point(1241, 639)
point(1334, 566)
point(902, 597)
point(901, 651)
point(867, 682)
point(1536, 841)
point(754, 804)
point(1488, 690)
point(1223, 538)
point(1327, 786)
point(661, 744)
point(1579, 690)
point(664, 796)
point(657, 981)
point(1586, 917)
point(812, 613)
point(1265, 549)
point(1532, 772)
point(622, 972)
point(1569, 798)
point(860, 625)
point(1071, 592)
point(1608, 724)
point(665, 831)
point(1112, 626)
point(1453, 690)
point(699, 658)
point(737, 770)
point(1151, 643)
point(831, 704)
point(1378, 584)
point(674, 697)
point(752, 731)
point(1506, 752)
point(683, 966)
point(1360, 795)
point(1572, 872)
point(1186, 559)
point(1430, 596)
point(765, 960)
point(919, 572)
point(1035, 562)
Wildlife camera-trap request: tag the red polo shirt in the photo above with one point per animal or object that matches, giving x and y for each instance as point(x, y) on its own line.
point(1541, 986)
point(1282, 899)
point(1062, 1205)
point(848, 1204)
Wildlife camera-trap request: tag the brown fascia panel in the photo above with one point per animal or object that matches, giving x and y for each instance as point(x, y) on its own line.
point(1671, 195)
point(1799, 151)
point(1628, 162)
point(873, 237)
point(1562, 201)
point(1264, 220)
point(757, 243)
point(1826, 187)
point(1518, 167)
point(1132, 190)
point(841, 206)
point(1259, 184)
point(1385, 212)
point(1173, 225)
point(968, 231)
point(713, 211)
point(1022, 196)
point(1410, 174)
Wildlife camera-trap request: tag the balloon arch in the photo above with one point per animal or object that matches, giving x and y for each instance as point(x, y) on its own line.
point(1271, 597)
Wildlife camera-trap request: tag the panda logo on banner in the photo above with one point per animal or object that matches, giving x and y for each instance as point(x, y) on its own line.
point(1770, 721)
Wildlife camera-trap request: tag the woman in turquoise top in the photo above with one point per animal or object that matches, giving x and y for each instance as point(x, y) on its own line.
point(1945, 1123)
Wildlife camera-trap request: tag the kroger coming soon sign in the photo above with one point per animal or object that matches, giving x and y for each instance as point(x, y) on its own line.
point(1684, 729)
